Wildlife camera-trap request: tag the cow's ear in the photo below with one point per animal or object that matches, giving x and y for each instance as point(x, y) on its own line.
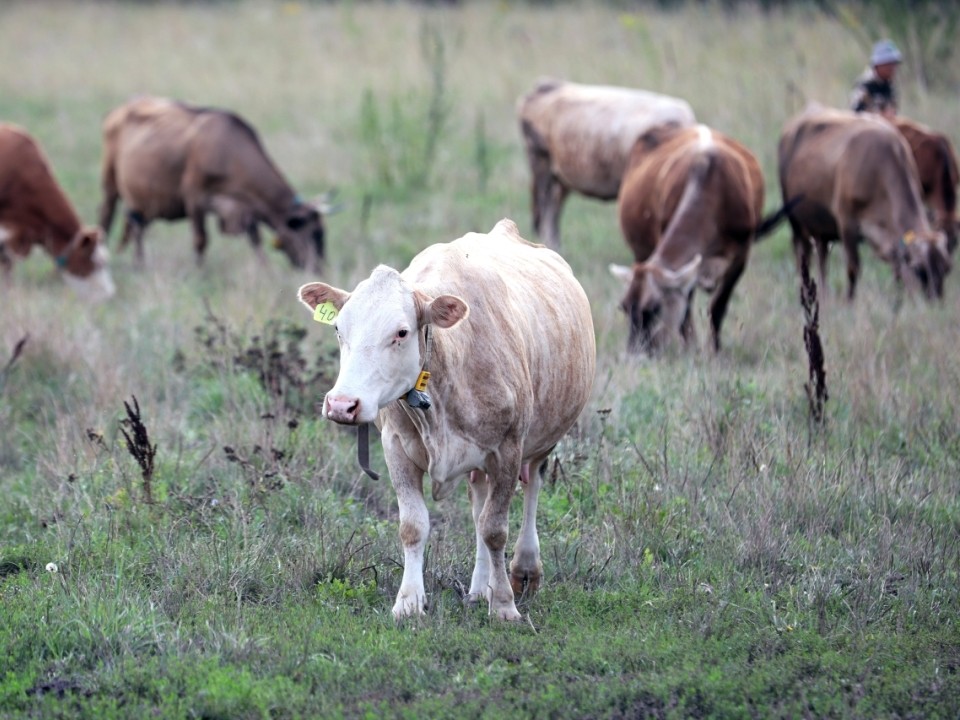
point(622, 273)
point(315, 293)
point(444, 311)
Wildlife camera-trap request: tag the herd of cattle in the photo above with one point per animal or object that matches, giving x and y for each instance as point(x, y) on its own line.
point(491, 397)
point(690, 199)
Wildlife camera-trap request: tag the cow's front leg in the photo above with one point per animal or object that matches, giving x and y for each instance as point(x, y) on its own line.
point(199, 233)
point(493, 522)
point(407, 480)
point(253, 233)
point(851, 240)
point(479, 490)
point(526, 570)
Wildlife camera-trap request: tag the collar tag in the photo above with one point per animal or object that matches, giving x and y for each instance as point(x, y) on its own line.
point(421, 383)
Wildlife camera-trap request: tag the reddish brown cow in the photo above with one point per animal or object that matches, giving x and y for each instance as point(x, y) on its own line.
point(168, 160)
point(937, 168)
point(690, 208)
point(35, 211)
point(859, 182)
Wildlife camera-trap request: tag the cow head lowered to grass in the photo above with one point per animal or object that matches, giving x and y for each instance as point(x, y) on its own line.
point(690, 208)
point(505, 332)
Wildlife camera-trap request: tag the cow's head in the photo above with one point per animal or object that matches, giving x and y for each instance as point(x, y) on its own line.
point(656, 301)
point(301, 235)
point(928, 258)
point(84, 264)
point(378, 328)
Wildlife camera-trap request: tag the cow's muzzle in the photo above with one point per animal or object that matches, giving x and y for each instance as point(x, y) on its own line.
point(341, 409)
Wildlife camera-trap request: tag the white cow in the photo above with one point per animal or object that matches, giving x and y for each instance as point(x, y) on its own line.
point(579, 137)
point(506, 333)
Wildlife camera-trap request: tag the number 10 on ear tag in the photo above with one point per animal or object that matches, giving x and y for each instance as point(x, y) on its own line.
point(325, 313)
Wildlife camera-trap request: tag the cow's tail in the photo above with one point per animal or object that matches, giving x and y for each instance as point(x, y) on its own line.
point(769, 223)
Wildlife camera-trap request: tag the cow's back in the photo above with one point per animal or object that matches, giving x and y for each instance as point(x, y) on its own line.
point(661, 170)
point(528, 346)
point(31, 200)
point(590, 129)
point(653, 183)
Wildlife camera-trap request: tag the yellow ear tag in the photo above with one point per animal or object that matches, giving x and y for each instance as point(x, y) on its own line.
point(909, 236)
point(277, 242)
point(325, 313)
point(421, 383)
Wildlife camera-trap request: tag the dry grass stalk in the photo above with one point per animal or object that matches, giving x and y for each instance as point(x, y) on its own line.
point(139, 446)
point(816, 386)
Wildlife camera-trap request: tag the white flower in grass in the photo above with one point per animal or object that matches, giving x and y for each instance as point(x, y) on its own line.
point(52, 567)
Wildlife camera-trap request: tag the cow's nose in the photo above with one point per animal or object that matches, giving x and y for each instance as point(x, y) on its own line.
point(342, 409)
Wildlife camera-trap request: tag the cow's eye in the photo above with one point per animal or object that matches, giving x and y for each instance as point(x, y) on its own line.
point(402, 333)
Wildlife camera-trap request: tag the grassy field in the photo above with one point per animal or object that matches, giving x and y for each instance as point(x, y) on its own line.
point(708, 552)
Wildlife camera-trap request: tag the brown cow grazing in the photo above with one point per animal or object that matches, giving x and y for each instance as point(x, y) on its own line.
point(937, 168)
point(35, 211)
point(505, 331)
point(167, 160)
point(690, 208)
point(859, 182)
point(579, 137)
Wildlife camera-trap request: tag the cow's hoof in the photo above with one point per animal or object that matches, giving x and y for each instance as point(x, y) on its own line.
point(406, 607)
point(525, 581)
point(472, 600)
point(508, 612)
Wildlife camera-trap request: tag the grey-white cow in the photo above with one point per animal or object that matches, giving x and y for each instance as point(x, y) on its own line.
point(506, 332)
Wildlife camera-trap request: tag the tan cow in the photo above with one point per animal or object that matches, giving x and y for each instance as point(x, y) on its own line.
point(937, 168)
point(859, 182)
point(168, 160)
point(579, 137)
point(690, 208)
point(34, 211)
point(505, 330)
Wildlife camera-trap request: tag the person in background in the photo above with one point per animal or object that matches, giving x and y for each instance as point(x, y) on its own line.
point(875, 91)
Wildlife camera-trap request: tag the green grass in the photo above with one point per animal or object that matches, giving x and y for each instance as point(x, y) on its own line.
point(708, 553)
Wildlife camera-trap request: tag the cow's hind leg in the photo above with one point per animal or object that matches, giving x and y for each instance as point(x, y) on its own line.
point(547, 195)
point(526, 569)
point(108, 207)
point(554, 195)
point(504, 469)
point(134, 226)
point(823, 257)
point(721, 298)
